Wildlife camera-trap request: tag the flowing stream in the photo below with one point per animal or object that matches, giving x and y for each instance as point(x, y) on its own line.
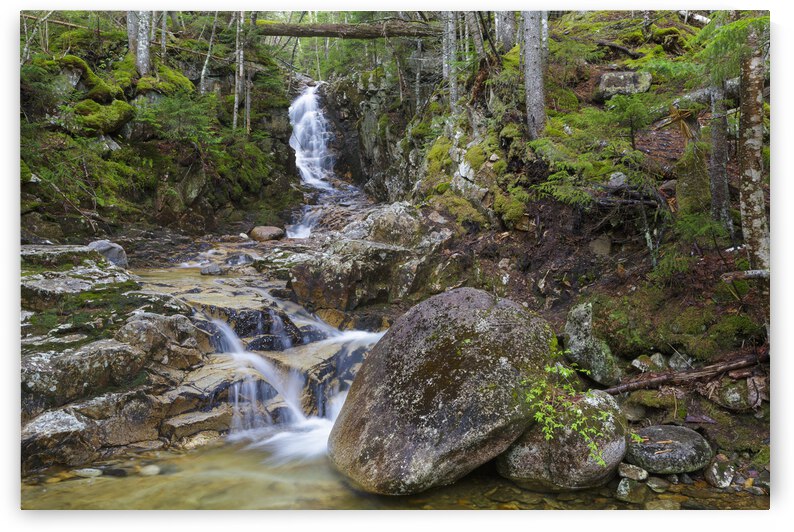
point(267, 463)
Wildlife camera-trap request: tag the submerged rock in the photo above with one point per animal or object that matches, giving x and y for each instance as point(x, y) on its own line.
point(436, 397)
point(565, 462)
point(587, 351)
point(669, 449)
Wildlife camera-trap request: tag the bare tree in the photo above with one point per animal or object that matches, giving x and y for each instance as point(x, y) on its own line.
point(163, 33)
point(132, 31)
point(450, 57)
point(238, 71)
point(474, 30)
point(533, 73)
point(755, 225)
point(544, 36)
point(506, 29)
point(205, 68)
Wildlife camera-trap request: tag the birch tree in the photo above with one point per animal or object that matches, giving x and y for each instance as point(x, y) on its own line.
point(205, 67)
point(238, 71)
point(449, 46)
point(142, 61)
point(132, 31)
point(533, 73)
point(163, 33)
point(755, 225)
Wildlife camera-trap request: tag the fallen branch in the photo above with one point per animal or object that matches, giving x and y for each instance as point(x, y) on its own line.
point(696, 20)
point(619, 48)
point(388, 28)
point(654, 380)
point(746, 274)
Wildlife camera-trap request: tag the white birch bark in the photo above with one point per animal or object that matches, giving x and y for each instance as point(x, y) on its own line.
point(533, 74)
point(142, 61)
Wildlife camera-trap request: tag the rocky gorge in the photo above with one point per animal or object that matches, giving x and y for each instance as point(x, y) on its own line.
point(373, 304)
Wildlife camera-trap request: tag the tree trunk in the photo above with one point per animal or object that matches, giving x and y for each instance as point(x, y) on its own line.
point(375, 30)
point(533, 74)
point(163, 33)
point(205, 68)
point(718, 161)
point(238, 70)
point(451, 56)
point(248, 83)
point(755, 226)
point(506, 29)
point(544, 37)
point(132, 31)
point(474, 30)
point(174, 20)
point(142, 61)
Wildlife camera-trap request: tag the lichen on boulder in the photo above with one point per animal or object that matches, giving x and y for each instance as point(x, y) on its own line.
point(587, 351)
point(437, 396)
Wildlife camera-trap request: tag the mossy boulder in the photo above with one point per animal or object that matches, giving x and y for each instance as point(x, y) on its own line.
point(668, 449)
point(93, 119)
point(98, 89)
point(437, 396)
point(626, 82)
point(165, 81)
point(565, 462)
point(587, 351)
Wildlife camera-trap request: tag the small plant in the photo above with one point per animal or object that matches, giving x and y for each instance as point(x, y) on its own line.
point(554, 403)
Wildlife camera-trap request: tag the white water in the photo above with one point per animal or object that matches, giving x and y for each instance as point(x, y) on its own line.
point(310, 141)
point(301, 438)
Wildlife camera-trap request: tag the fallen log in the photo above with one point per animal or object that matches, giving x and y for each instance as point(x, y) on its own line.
point(619, 48)
point(746, 274)
point(654, 380)
point(388, 28)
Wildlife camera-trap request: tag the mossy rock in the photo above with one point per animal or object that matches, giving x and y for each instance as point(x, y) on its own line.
point(459, 208)
point(24, 172)
point(475, 156)
point(675, 409)
point(166, 81)
point(98, 89)
point(693, 191)
point(95, 119)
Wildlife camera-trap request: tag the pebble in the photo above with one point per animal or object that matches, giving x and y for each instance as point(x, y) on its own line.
point(686, 479)
point(88, 472)
point(631, 491)
point(672, 479)
point(659, 485)
point(149, 470)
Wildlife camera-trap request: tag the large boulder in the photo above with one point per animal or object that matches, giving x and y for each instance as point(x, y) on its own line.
point(437, 395)
point(170, 340)
point(626, 82)
point(565, 461)
point(669, 449)
point(263, 233)
point(587, 351)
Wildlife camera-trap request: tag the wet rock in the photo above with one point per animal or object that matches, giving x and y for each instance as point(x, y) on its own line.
point(396, 223)
point(631, 491)
point(658, 485)
point(189, 423)
point(88, 472)
point(663, 504)
point(43, 440)
point(631, 471)
point(57, 256)
point(150, 470)
point(627, 82)
point(738, 395)
point(263, 233)
point(170, 340)
point(60, 377)
point(212, 269)
point(239, 259)
point(720, 472)
point(434, 399)
point(111, 251)
point(680, 362)
point(669, 449)
point(250, 322)
point(121, 418)
point(565, 461)
point(587, 351)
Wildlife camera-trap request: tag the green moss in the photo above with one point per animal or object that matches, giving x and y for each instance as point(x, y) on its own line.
point(24, 172)
point(99, 89)
point(125, 71)
point(511, 131)
point(500, 167)
point(475, 156)
point(94, 119)
point(509, 208)
point(692, 190)
point(512, 59)
point(442, 187)
point(733, 330)
point(762, 457)
point(166, 81)
point(675, 408)
point(459, 208)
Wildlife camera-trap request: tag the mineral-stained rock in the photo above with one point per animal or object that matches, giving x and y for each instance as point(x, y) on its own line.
point(587, 351)
point(263, 233)
point(187, 424)
point(565, 461)
point(668, 449)
point(436, 397)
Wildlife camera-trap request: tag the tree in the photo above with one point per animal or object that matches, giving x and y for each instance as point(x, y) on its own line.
point(132, 31)
point(205, 67)
point(449, 51)
point(506, 29)
point(734, 48)
point(631, 112)
point(238, 70)
point(142, 61)
point(474, 30)
point(533, 73)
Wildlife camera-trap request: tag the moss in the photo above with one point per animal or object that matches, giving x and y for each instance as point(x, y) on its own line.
point(94, 119)
point(442, 187)
point(510, 209)
point(512, 59)
point(24, 172)
point(125, 71)
point(99, 89)
point(166, 81)
point(762, 457)
point(500, 167)
point(692, 190)
point(675, 408)
point(459, 208)
point(732, 331)
point(511, 131)
point(475, 156)
point(564, 99)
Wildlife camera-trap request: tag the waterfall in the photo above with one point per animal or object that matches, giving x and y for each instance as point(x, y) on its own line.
point(309, 139)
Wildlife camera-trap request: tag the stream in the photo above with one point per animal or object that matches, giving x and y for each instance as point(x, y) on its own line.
point(281, 464)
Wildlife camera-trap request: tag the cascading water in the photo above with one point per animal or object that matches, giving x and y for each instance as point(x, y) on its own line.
point(310, 141)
